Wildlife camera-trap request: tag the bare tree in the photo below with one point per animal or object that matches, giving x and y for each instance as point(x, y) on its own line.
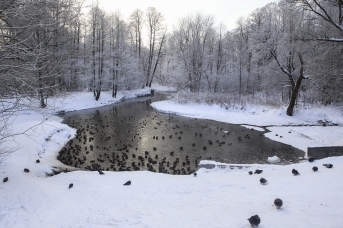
point(117, 45)
point(158, 57)
point(331, 12)
point(242, 39)
point(98, 23)
point(191, 35)
point(34, 39)
point(295, 91)
point(136, 25)
point(220, 58)
point(156, 29)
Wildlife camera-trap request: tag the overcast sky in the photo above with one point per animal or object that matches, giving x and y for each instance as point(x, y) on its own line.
point(225, 11)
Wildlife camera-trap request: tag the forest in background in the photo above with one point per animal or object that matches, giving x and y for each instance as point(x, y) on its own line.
point(287, 52)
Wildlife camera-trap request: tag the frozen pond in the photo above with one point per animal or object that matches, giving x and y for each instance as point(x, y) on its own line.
point(133, 136)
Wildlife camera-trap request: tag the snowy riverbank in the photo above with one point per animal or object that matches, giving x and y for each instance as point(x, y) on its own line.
point(305, 127)
point(85, 100)
point(215, 198)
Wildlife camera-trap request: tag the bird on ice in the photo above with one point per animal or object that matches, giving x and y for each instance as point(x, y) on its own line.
point(295, 172)
point(263, 181)
point(71, 185)
point(315, 168)
point(101, 172)
point(258, 171)
point(254, 220)
point(311, 159)
point(250, 172)
point(5, 179)
point(128, 183)
point(195, 174)
point(329, 166)
point(278, 203)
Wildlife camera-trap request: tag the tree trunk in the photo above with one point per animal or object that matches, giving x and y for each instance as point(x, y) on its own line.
point(93, 55)
point(115, 90)
point(340, 14)
point(97, 95)
point(295, 91)
point(40, 90)
point(157, 60)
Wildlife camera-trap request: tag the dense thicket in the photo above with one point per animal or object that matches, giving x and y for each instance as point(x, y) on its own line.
point(286, 52)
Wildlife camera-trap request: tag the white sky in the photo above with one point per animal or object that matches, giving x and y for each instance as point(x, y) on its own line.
point(225, 11)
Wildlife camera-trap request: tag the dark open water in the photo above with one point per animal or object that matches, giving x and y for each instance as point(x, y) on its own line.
point(133, 136)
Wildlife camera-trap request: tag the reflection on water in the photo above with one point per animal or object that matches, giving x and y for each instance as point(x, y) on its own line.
point(132, 136)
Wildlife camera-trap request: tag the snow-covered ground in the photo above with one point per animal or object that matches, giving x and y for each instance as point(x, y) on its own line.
point(85, 100)
point(214, 198)
point(162, 88)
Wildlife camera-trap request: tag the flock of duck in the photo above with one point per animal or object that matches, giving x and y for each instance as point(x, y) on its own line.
point(97, 147)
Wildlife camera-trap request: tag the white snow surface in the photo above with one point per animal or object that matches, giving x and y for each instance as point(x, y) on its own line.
point(162, 88)
point(214, 198)
point(252, 114)
point(307, 136)
point(274, 159)
point(253, 127)
point(85, 100)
